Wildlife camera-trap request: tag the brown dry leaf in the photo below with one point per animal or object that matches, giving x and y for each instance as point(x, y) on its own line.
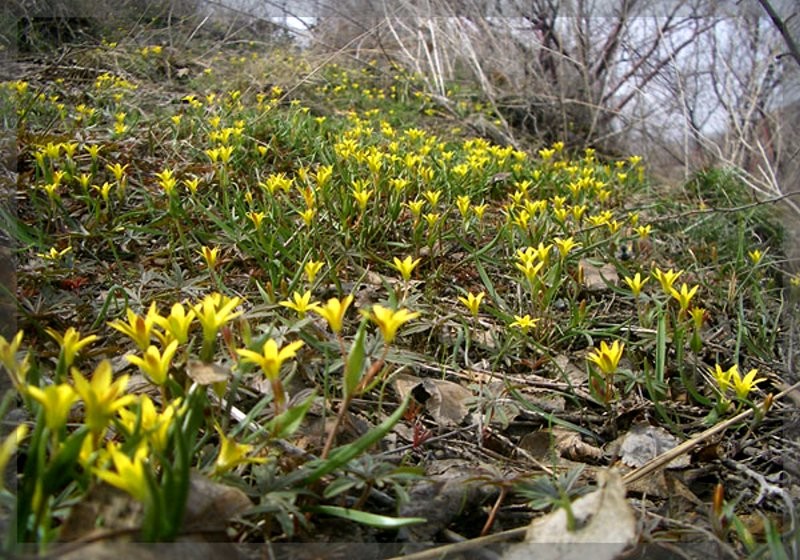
point(570, 446)
point(605, 526)
point(210, 505)
point(661, 484)
point(597, 278)
point(450, 488)
point(564, 443)
point(117, 510)
point(576, 376)
point(209, 508)
point(206, 374)
point(404, 383)
point(444, 400)
point(644, 443)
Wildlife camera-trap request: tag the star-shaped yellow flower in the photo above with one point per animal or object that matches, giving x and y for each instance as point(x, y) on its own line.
point(607, 357)
point(389, 320)
point(301, 303)
point(271, 357)
point(472, 302)
point(406, 266)
point(333, 312)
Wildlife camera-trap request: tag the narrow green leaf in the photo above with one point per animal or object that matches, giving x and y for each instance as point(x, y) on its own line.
point(287, 423)
point(342, 455)
point(356, 359)
point(661, 347)
point(371, 519)
point(554, 419)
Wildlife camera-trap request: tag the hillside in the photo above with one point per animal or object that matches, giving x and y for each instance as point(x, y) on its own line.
point(264, 296)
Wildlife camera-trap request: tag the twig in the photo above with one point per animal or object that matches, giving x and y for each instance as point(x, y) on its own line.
point(644, 470)
point(666, 457)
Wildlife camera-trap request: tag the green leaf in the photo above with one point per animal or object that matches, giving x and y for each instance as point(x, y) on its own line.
point(337, 487)
point(62, 466)
point(342, 455)
point(356, 359)
point(554, 419)
point(371, 519)
point(287, 423)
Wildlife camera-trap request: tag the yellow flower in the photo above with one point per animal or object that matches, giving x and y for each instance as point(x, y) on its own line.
point(225, 153)
point(176, 324)
point(311, 269)
point(308, 216)
point(529, 269)
point(152, 424)
point(755, 256)
point(523, 322)
point(389, 321)
point(463, 204)
point(565, 245)
point(192, 184)
point(9, 447)
point(101, 398)
point(644, 231)
point(83, 180)
point(432, 218)
point(324, 173)
point(723, 378)
point(271, 357)
point(71, 343)
point(406, 266)
point(209, 255)
point(155, 365)
point(301, 303)
point(333, 312)
point(607, 358)
point(636, 283)
point(104, 190)
point(472, 302)
point(8, 357)
point(698, 315)
point(521, 219)
point(432, 197)
point(56, 401)
point(232, 454)
point(684, 296)
point(399, 183)
point(578, 212)
point(137, 328)
point(214, 311)
point(415, 206)
point(479, 210)
point(667, 279)
point(93, 150)
point(129, 474)
point(167, 181)
point(743, 385)
point(362, 198)
point(118, 170)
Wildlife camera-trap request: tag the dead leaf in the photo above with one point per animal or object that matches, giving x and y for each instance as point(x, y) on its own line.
point(576, 376)
point(209, 508)
point(450, 487)
point(444, 400)
point(206, 374)
point(598, 278)
point(211, 505)
point(605, 526)
point(565, 443)
point(644, 443)
point(104, 508)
